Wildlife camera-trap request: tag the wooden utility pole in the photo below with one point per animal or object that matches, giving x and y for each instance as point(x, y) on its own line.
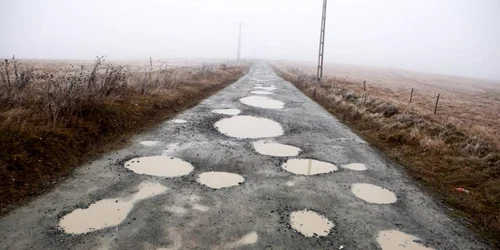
point(322, 43)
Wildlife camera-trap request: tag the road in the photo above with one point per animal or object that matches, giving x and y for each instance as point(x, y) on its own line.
point(217, 180)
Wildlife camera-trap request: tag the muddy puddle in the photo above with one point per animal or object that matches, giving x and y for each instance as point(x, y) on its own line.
point(308, 167)
point(179, 121)
point(355, 166)
point(108, 212)
point(227, 111)
point(149, 143)
point(373, 194)
point(262, 102)
point(397, 240)
point(270, 88)
point(248, 239)
point(218, 180)
point(163, 166)
point(267, 147)
point(310, 223)
point(261, 92)
point(244, 127)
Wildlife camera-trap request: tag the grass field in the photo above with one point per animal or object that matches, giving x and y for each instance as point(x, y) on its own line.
point(56, 114)
point(455, 152)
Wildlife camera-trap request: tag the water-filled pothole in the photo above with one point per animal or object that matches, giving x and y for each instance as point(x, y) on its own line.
point(373, 194)
point(270, 88)
point(249, 127)
point(397, 240)
point(218, 180)
point(261, 92)
point(149, 143)
point(248, 239)
point(179, 121)
point(310, 223)
point(262, 102)
point(227, 111)
point(108, 212)
point(355, 166)
point(271, 148)
point(164, 166)
point(308, 167)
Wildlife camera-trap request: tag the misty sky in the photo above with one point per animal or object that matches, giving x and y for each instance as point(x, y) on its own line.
point(459, 37)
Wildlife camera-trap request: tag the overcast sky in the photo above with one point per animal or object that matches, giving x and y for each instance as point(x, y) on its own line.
point(458, 37)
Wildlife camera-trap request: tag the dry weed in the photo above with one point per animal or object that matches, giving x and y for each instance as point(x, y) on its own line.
point(442, 153)
point(54, 116)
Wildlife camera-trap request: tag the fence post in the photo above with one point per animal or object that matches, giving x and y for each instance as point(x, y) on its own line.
point(436, 107)
point(364, 88)
point(150, 63)
point(411, 95)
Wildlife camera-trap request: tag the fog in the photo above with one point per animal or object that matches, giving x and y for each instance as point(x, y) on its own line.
point(458, 37)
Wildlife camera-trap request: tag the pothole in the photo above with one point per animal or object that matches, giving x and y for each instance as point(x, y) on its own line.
point(249, 127)
point(248, 239)
point(261, 92)
point(270, 88)
point(355, 166)
point(310, 223)
point(396, 240)
point(163, 166)
point(108, 212)
point(271, 148)
point(308, 167)
point(218, 180)
point(262, 102)
point(149, 143)
point(227, 111)
point(179, 121)
point(373, 194)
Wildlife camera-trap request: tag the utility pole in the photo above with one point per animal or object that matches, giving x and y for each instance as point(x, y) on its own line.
point(322, 42)
point(239, 45)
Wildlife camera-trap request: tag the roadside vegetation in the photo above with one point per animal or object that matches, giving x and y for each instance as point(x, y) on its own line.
point(457, 160)
point(54, 115)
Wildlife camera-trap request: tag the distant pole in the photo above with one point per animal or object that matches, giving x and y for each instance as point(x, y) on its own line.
point(322, 42)
point(239, 45)
point(411, 95)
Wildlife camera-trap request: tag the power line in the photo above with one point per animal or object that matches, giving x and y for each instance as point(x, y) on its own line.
point(322, 42)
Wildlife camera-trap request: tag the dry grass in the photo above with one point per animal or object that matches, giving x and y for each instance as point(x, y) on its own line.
point(53, 116)
point(444, 151)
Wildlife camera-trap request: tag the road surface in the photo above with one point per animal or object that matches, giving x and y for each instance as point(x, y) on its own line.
point(211, 179)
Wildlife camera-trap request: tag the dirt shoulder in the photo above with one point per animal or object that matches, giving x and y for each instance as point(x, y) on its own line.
point(52, 119)
point(460, 170)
